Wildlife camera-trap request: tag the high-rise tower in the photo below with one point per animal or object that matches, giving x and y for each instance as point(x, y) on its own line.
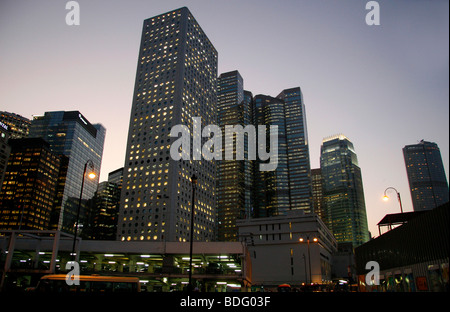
point(71, 134)
point(244, 190)
point(343, 193)
point(289, 186)
point(175, 82)
point(271, 188)
point(234, 177)
point(297, 149)
point(426, 175)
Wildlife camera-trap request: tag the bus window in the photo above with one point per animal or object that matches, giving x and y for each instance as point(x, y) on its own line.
point(97, 284)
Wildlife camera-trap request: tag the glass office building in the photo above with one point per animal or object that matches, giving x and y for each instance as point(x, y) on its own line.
point(271, 188)
point(176, 80)
point(297, 149)
point(71, 134)
point(234, 177)
point(426, 175)
point(244, 191)
point(343, 194)
point(289, 186)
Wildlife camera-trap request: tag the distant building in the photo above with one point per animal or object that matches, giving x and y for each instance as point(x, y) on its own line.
point(116, 176)
point(426, 176)
point(105, 211)
point(71, 134)
point(317, 193)
point(277, 254)
point(18, 125)
point(343, 193)
point(29, 192)
point(105, 207)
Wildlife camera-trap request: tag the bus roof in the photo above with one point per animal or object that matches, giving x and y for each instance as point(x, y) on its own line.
point(98, 278)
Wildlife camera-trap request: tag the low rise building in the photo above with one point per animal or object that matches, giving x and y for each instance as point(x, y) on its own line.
point(25, 256)
point(296, 249)
point(412, 257)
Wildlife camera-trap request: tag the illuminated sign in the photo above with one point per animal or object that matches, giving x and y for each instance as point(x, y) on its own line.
point(3, 125)
point(82, 119)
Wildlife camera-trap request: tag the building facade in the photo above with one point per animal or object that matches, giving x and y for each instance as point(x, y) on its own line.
point(18, 125)
point(105, 211)
point(105, 207)
point(317, 192)
point(426, 176)
point(413, 257)
point(297, 149)
point(5, 149)
point(244, 190)
point(272, 193)
point(288, 187)
point(234, 177)
point(295, 248)
point(71, 134)
point(29, 193)
point(160, 266)
point(345, 210)
point(176, 81)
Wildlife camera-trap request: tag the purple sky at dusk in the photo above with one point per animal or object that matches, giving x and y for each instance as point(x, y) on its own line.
point(383, 87)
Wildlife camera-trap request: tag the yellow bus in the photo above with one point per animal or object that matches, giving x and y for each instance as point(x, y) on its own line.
point(56, 283)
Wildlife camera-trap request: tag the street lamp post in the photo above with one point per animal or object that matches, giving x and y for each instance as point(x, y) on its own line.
point(306, 276)
point(315, 240)
point(91, 176)
point(191, 240)
point(398, 197)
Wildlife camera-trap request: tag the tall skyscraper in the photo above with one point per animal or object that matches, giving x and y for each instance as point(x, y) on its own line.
point(29, 193)
point(297, 149)
point(175, 81)
point(343, 191)
point(272, 193)
point(234, 177)
point(244, 191)
point(426, 176)
point(289, 186)
point(72, 135)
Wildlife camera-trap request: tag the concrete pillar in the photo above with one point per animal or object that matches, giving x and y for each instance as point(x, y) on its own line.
point(12, 244)
point(55, 250)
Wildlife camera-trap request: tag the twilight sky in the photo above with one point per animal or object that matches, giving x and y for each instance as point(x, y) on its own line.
point(383, 87)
